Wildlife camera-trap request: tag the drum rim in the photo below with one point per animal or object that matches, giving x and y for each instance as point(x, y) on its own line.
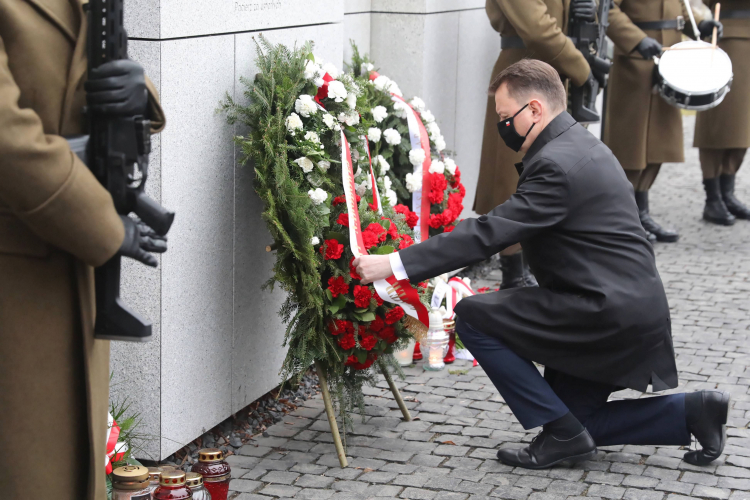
point(663, 81)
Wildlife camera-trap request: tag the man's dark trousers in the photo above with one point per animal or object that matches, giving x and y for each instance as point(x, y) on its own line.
point(537, 400)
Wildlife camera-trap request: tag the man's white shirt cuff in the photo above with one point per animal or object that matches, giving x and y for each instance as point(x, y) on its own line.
point(397, 266)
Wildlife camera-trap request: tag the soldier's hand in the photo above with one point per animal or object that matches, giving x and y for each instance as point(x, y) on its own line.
point(139, 240)
point(649, 48)
point(117, 88)
point(595, 76)
point(707, 28)
point(584, 10)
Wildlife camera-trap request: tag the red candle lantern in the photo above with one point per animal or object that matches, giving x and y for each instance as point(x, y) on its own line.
point(172, 486)
point(215, 471)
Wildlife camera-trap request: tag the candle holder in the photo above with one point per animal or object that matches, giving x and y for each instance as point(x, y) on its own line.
point(435, 343)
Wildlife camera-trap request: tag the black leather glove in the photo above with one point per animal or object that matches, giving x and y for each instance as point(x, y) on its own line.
point(649, 48)
point(140, 239)
point(117, 88)
point(707, 28)
point(584, 10)
point(600, 78)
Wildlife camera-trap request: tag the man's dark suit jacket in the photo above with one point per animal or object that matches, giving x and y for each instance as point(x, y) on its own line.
point(600, 312)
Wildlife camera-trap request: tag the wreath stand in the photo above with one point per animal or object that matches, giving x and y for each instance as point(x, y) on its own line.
point(327, 402)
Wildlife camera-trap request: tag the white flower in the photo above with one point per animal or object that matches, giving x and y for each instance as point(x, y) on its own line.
point(392, 136)
point(351, 100)
point(379, 113)
point(384, 166)
point(318, 60)
point(387, 182)
point(440, 143)
point(305, 164)
point(393, 89)
point(366, 68)
point(433, 130)
point(331, 69)
point(317, 196)
point(336, 91)
point(416, 156)
point(313, 71)
point(293, 122)
point(400, 109)
point(417, 104)
point(329, 120)
point(391, 196)
point(305, 105)
point(437, 167)
point(351, 117)
point(315, 240)
point(414, 181)
point(450, 166)
point(361, 188)
point(312, 137)
point(374, 134)
point(428, 117)
point(382, 82)
point(324, 165)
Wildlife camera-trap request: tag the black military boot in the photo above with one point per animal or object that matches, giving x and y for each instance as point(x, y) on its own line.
point(735, 206)
point(649, 224)
point(706, 413)
point(512, 269)
point(546, 450)
point(528, 277)
point(715, 210)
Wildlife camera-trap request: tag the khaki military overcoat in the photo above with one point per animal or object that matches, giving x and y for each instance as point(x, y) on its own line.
point(56, 221)
point(542, 25)
point(641, 128)
point(728, 124)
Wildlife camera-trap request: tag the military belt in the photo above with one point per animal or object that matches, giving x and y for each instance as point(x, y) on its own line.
point(735, 14)
point(666, 24)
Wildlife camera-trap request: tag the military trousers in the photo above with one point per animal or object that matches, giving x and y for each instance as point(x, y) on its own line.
point(716, 162)
point(642, 180)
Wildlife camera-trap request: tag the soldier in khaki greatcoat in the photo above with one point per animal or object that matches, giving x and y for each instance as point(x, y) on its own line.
point(56, 222)
point(533, 29)
point(641, 129)
point(723, 133)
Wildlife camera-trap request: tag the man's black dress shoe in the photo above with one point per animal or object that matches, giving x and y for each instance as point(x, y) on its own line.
point(708, 425)
point(546, 450)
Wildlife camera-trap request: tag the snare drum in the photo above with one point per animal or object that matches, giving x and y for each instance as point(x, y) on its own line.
point(692, 75)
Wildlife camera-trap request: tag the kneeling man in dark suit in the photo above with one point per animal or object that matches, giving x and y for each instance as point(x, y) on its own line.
point(599, 321)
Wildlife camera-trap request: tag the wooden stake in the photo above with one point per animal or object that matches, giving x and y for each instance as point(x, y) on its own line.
point(331, 416)
point(717, 10)
point(395, 391)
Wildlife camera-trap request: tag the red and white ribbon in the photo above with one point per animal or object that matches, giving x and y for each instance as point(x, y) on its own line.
point(323, 89)
point(399, 292)
point(376, 201)
point(419, 139)
point(115, 450)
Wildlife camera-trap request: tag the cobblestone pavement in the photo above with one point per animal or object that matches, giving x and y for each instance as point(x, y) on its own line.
point(449, 452)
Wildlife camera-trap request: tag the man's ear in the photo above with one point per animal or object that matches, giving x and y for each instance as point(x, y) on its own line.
point(536, 109)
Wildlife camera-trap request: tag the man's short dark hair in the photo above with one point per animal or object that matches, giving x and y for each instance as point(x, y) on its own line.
point(529, 76)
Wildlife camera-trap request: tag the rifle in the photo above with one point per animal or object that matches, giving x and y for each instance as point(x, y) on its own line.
point(116, 151)
point(590, 37)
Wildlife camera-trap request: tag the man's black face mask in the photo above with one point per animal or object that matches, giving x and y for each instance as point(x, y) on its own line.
point(510, 135)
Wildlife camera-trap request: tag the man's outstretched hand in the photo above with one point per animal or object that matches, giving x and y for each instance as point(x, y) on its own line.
point(373, 267)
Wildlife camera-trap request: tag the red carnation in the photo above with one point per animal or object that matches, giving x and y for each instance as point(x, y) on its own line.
point(337, 286)
point(378, 300)
point(406, 241)
point(483, 289)
point(347, 341)
point(438, 185)
point(367, 342)
point(462, 190)
point(392, 229)
point(338, 326)
point(394, 315)
point(437, 220)
point(372, 207)
point(362, 296)
point(338, 200)
point(353, 270)
point(449, 229)
point(352, 359)
point(370, 239)
point(377, 230)
point(388, 334)
point(343, 220)
point(332, 249)
point(422, 284)
point(377, 324)
point(411, 217)
point(456, 177)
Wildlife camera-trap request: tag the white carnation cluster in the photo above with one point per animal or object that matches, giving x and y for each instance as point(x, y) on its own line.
point(331, 122)
point(336, 91)
point(293, 122)
point(386, 84)
point(450, 166)
point(417, 104)
point(366, 67)
point(315, 73)
point(392, 136)
point(305, 164)
point(331, 69)
point(351, 100)
point(351, 117)
point(400, 109)
point(440, 143)
point(380, 162)
point(305, 105)
point(361, 188)
point(317, 196)
point(437, 167)
point(417, 157)
point(315, 240)
point(391, 197)
point(373, 134)
point(379, 113)
point(428, 117)
point(414, 181)
point(324, 165)
point(312, 137)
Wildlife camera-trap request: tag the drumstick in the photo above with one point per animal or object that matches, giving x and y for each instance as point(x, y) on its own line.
point(716, 18)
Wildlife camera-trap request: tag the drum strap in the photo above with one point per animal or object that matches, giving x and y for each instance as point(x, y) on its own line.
point(512, 42)
point(735, 14)
point(666, 24)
